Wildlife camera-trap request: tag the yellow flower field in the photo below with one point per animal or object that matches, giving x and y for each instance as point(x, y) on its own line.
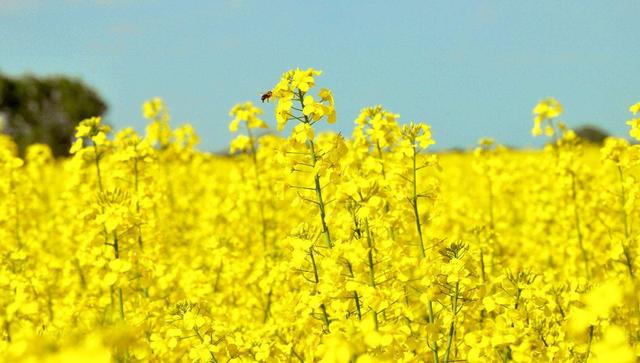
point(320, 246)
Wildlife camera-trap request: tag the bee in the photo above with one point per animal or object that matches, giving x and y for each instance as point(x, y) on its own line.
point(266, 96)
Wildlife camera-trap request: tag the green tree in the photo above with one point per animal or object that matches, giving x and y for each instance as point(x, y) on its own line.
point(46, 110)
point(592, 133)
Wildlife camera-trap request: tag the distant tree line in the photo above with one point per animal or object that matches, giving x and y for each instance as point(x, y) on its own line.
point(592, 133)
point(46, 109)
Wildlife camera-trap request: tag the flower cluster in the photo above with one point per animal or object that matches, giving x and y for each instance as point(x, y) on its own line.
point(318, 246)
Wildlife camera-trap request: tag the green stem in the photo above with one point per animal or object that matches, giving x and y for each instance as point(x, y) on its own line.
point(577, 223)
point(316, 180)
point(197, 331)
point(356, 298)
point(436, 358)
point(121, 303)
point(452, 327)
point(117, 256)
point(136, 183)
point(414, 203)
point(358, 234)
point(216, 284)
point(7, 329)
point(316, 278)
point(115, 236)
point(325, 315)
point(116, 250)
point(506, 356)
point(623, 201)
point(100, 187)
point(416, 214)
point(267, 309)
point(320, 200)
point(590, 340)
point(97, 163)
point(387, 208)
point(372, 273)
point(83, 281)
point(254, 158)
point(376, 324)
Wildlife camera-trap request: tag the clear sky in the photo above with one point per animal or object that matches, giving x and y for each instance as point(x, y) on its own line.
point(469, 68)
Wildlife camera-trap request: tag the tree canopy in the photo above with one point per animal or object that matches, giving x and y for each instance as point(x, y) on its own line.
point(46, 109)
point(592, 133)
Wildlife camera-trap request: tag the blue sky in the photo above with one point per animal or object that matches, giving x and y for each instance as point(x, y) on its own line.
point(471, 69)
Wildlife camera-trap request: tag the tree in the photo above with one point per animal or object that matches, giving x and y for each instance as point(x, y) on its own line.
point(592, 133)
point(46, 110)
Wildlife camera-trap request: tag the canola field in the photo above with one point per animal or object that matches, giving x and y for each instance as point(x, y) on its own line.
point(320, 246)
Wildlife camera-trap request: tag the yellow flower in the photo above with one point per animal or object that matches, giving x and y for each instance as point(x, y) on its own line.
point(634, 122)
point(549, 108)
point(545, 111)
point(153, 108)
point(303, 80)
point(240, 144)
point(283, 112)
point(302, 133)
point(424, 140)
point(248, 113)
point(613, 347)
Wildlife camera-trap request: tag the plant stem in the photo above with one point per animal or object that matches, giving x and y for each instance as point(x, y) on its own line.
point(577, 223)
point(590, 340)
point(317, 280)
point(436, 359)
point(136, 183)
point(356, 298)
point(267, 309)
point(117, 256)
point(254, 158)
point(414, 203)
point(372, 273)
point(623, 201)
point(452, 327)
point(316, 180)
point(97, 162)
point(390, 229)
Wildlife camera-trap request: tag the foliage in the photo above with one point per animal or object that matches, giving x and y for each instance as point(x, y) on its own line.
point(592, 134)
point(46, 110)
